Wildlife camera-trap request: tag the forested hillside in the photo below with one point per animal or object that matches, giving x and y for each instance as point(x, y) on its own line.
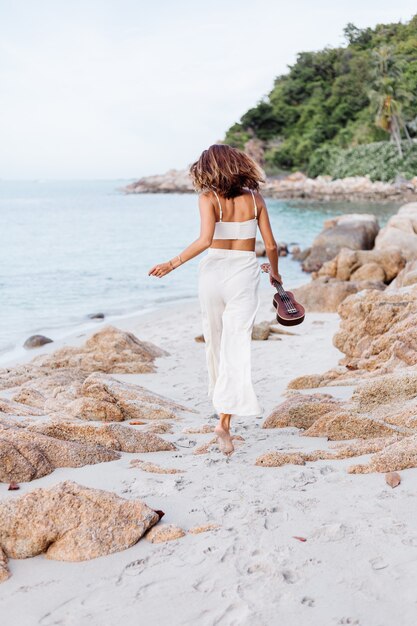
point(318, 116)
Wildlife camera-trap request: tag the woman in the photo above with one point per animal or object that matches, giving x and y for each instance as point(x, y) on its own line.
point(231, 208)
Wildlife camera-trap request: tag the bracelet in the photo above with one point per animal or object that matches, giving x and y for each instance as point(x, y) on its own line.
point(173, 266)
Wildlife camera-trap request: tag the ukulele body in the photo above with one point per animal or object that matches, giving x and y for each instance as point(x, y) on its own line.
point(285, 318)
point(289, 311)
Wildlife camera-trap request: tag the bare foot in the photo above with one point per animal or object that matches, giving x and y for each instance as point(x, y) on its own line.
point(224, 439)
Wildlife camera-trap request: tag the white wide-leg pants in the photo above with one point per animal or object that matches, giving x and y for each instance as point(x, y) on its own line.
point(229, 299)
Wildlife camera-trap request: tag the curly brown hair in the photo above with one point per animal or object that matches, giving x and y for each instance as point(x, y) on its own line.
point(226, 170)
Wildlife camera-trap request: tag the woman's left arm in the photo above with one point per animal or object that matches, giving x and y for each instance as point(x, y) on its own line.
point(207, 223)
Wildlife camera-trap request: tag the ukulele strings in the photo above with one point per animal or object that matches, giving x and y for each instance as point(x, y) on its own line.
point(284, 297)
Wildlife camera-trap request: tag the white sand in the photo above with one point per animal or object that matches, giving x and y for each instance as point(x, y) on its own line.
point(358, 565)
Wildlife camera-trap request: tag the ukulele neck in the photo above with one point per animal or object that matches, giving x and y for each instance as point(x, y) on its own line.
point(278, 286)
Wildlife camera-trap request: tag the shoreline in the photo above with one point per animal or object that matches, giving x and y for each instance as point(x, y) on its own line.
point(295, 185)
point(86, 327)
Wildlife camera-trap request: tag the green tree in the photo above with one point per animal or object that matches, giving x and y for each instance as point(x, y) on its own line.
point(387, 95)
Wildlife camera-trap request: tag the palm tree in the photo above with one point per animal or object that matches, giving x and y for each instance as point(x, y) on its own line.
point(387, 96)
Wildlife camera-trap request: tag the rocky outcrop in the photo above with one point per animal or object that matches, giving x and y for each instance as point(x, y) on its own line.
point(295, 185)
point(178, 181)
point(356, 231)
point(82, 523)
point(108, 350)
point(378, 330)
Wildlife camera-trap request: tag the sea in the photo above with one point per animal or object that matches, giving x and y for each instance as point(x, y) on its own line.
point(69, 249)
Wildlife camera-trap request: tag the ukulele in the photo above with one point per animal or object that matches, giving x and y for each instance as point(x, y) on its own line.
point(289, 311)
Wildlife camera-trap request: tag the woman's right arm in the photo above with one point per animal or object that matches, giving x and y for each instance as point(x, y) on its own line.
point(271, 247)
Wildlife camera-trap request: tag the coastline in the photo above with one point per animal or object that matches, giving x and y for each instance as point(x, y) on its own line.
point(292, 186)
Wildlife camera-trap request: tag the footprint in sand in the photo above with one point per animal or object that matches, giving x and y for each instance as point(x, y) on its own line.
point(307, 601)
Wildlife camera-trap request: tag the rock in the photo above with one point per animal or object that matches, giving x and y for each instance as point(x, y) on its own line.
point(326, 294)
point(199, 430)
point(395, 457)
point(260, 332)
point(347, 263)
point(4, 570)
point(356, 231)
point(204, 528)
point(346, 425)
point(111, 436)
point(406, 277)
point(396, 387)
point(96, 316)
point(101, 397)
point(393, 479)
point(16, 408)
point(158, 427)
point(69, 522)
point(26, 455)
point(104, 397)
point(164, 532)
point(301, 410)
point(277, 459)
point(36, 341)
point(401, 231)
point(153, 468)
point(300, 255)
point(339, 451)
point(199, 339)
point(108, 350)
point(312, 381)
point(378, 330)
point(178, 181)
point(369, 271)
point(282, 248)
point(50, 384)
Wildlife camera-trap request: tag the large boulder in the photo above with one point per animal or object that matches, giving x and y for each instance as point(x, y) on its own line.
point(70, 522)
point(356, 231)
point(401, 232)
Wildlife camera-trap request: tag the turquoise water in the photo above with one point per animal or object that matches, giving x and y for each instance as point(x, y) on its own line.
point(68, 249)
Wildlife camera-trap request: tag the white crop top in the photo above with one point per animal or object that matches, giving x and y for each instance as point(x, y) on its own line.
point(236, 230)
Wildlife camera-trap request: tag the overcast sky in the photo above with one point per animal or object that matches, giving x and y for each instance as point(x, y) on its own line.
point(125, 88)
